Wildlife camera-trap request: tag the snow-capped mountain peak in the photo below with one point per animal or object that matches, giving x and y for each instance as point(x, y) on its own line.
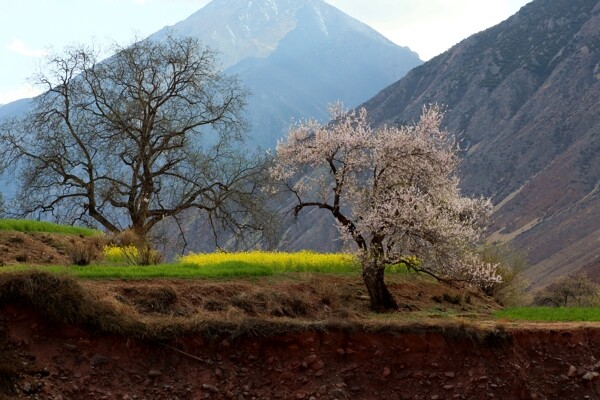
point(254, 28)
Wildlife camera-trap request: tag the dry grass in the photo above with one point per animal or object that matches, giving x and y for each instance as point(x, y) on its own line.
point(163, 310)
point(83, 253)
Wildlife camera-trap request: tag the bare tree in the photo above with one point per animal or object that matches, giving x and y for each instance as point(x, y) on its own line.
point(394, 194)
point(148, 134)
point(573, 290)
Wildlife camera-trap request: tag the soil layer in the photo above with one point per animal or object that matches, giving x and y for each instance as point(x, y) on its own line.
point(43, 360)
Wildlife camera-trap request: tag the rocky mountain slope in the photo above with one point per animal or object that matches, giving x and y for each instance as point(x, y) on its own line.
point(295, 56)
point(524, 95)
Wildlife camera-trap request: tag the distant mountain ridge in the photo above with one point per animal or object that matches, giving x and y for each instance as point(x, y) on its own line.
point(525, 96)
point(296, 57)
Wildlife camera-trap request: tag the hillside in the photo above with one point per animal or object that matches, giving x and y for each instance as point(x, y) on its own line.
point(524, 97)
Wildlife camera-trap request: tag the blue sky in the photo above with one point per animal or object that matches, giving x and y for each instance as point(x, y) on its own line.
point(30, 28)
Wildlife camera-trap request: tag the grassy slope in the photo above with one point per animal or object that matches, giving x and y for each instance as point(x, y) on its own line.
point(21, 225)
point(284, 303)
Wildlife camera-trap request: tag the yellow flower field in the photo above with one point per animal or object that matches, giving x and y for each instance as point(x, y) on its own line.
point(303, 261)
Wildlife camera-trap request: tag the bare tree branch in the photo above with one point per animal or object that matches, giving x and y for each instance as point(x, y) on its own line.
point(150, 133)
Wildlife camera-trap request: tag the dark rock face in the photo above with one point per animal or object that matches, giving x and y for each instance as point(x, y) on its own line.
point(524, 96)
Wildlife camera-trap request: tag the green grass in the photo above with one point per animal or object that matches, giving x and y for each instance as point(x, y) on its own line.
point(560, 314)
point(25, 225)
point(103, 271)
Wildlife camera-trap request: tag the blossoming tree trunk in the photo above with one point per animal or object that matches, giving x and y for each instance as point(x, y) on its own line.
point(379, 295)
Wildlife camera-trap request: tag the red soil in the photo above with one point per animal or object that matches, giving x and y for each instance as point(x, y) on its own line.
point(66, 362)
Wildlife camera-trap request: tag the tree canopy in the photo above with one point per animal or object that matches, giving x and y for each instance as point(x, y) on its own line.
point(393, 192)
point(143, 136)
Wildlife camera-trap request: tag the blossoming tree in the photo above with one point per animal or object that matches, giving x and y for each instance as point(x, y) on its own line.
point(393, 192)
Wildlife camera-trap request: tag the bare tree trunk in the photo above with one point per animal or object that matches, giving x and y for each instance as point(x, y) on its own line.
point(381, 298)
point(139, 228)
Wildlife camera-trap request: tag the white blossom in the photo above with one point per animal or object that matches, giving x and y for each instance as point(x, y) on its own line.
point(394, 191)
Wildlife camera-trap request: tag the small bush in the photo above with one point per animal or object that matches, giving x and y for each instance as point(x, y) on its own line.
point(126, 238)
point(161, 300)
point(148, 256)
point(330, 294)
point(82, 253)
point(119, 254)
point(132, 255)
point(128, 247)
point(510, 265)
point(452, 299)
point(273, 303)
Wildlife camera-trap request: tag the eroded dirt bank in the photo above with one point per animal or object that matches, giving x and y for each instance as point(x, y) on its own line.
point(42, 360)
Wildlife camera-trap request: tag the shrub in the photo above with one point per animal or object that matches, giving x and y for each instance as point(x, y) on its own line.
point(82, 253)
point(453, 298)
point(119, 254)
point(125, 238)
point(128, 247)
point(510, 265)
point(146, 255)
point(132, 255)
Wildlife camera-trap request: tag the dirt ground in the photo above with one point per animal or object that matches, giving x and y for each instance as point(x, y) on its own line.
point(42, 248)
point(50, 361)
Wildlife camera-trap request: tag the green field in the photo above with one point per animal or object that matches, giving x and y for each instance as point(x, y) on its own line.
point(25, 225)
point(551, 314)
point(213, 265)
point(107, 271)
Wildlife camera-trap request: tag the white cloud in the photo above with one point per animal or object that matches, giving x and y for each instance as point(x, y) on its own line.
point(23, 92)
point(429, 26)
point(19, 47)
